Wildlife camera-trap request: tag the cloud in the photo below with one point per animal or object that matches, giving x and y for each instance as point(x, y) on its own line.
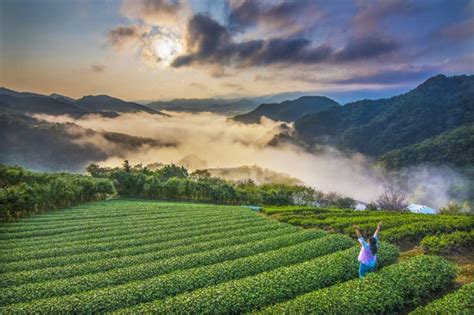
point(463, 30)
point(123, 36)
point(98, 68)
point(391, 76)
point(219, 142)
point(209, 42)
point(373, 13)
point(154, 12)
point(366, 47)
point(288, 16)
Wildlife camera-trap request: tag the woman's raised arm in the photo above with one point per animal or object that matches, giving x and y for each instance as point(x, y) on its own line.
point(376, 234)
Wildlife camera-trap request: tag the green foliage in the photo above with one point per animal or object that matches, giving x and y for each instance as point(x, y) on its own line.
point(102, 300)
point(451, 208)
point(23, 192)
point(454, 147)
point(387, 291)
point(403, 122)
point(246, 294)
point(446, 243)
point(460, 302)
point(397, 227)
point(416, 231)
point(173, 182)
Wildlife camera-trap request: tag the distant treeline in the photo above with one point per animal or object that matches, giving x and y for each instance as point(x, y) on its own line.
point(173, 182)
point(23, 192)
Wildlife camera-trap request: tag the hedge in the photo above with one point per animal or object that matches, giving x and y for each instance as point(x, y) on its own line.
point(385, 292)
point(460, 302)
point(111, 298)
point(446, 243)
point(271, 287)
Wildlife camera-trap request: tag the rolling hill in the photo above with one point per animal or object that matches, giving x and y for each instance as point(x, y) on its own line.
point(14, 102)
point(45, 146)
point(227, 107)
point(288, 110)
point(376, 127)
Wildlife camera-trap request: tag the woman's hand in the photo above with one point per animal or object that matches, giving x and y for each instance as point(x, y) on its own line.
point(379, 225)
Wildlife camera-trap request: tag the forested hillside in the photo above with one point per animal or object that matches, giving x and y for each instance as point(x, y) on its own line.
point(288, 110)
point(376, 127)
point(42, 145)
point(13, 102)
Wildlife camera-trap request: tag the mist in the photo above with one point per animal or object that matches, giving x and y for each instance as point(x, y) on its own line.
point(218, 142)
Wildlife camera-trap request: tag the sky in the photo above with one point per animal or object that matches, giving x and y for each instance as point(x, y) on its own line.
point(165, 49)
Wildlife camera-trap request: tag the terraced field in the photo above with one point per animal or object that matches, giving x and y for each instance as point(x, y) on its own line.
point(398, 227)
point(146, 256)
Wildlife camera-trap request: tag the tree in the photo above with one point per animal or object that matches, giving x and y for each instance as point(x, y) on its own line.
point(200, 175)
point(170, 171)
point(126, 166)
point(392, 199)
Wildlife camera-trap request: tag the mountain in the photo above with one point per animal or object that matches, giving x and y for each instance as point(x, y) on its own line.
point(288, 110)
point(45, 146)
point(62, 98)
point(227, 107)
point(14, 102)
point(105, 103)
point(21, 102)
point(376, 127)
point(454, 146)
point(255, 173)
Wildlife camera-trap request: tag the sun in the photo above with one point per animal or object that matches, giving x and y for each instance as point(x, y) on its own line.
point(166, 48)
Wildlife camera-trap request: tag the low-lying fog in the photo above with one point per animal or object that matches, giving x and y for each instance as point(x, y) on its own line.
point(221, 142)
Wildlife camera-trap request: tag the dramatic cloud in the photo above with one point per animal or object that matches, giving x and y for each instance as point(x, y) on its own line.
point(154, 12)
point(220, 142)
point(216, 142)
point(122, 36)
point(240, 36)
point(209, 42)
point(366, 47)
point(391, 76)
point(287, 17)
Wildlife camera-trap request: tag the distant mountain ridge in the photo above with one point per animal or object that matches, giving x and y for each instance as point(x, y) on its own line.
point(377, 127)
point(227, 107)
point(288, 111)
point(14, 102)
point(46, 146)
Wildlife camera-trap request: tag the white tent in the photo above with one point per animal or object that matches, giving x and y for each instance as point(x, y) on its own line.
point(421, 209)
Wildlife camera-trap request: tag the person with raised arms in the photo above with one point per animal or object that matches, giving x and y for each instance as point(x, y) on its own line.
point(368, 251)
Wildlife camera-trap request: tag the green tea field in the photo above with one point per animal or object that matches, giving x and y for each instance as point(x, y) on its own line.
point(135, 256)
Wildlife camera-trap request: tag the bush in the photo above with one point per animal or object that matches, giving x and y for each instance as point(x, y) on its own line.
point(385, 292)
point(417, 231)
point(446, 243)
point(246, 294)
point(23, 192)
point(460, 301)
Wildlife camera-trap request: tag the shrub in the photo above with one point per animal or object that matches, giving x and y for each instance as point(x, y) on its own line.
point(388, 291)
point(445, 243)
point(245, 294)
point(460, 302)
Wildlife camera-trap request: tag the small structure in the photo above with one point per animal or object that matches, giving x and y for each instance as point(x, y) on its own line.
point(360, 206)
point(253, 208)
point(421, 209)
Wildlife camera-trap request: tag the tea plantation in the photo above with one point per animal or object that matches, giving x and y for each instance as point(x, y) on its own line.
point(135, 256)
